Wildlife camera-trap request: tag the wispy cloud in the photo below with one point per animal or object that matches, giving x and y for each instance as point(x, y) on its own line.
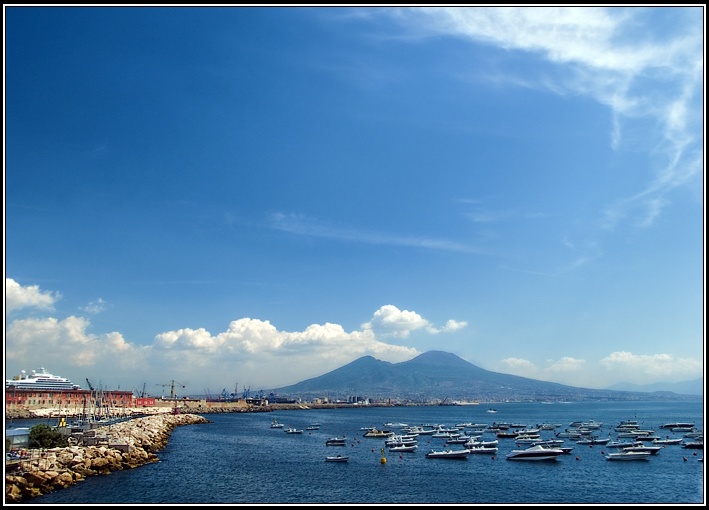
point(304, 226)
point(608, 54)
point(95, 307)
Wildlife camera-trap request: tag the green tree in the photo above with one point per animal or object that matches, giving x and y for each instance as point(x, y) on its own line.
point(44, 436)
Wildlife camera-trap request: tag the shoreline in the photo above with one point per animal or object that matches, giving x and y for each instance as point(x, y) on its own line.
point(126, 445)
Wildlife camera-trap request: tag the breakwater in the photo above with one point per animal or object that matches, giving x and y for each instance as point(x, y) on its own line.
point(124, 445)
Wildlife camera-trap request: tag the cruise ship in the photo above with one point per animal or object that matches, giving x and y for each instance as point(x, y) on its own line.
point(40, 380)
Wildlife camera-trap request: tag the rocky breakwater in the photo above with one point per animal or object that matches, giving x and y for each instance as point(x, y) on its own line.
point(124, 445)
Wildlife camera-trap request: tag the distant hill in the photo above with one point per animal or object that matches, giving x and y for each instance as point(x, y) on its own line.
point(445, 377)
point(693, 387)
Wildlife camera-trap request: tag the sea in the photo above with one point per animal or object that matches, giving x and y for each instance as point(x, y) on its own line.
point(238, 459)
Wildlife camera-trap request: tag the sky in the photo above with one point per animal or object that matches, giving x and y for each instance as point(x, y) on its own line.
point(248, 197)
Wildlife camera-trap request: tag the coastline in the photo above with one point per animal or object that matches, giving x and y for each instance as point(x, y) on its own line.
point(126, 445)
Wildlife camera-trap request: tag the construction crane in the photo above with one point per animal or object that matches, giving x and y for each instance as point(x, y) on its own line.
point(90, 387)
point(172, 388)
point(172, 392)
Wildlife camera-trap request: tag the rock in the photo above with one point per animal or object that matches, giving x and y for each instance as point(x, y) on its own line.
point(136, 440)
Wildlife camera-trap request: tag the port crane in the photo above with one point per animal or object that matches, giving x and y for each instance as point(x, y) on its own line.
point(172, 385)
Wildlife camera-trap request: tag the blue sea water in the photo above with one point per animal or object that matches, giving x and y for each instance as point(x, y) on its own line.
point(239, 459)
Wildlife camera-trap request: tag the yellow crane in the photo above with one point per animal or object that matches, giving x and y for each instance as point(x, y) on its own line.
point(172, 385)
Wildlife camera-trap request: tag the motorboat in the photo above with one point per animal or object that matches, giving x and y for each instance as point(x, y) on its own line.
point(398, 440)
point(336, 441)
point(527, 438)
point(314, 426)
point(276, 425)
point(594, 440)
point(374, 432)
point(403, 448)
point(483, 449)
point(448, 454)
point(677, 424)
point(536, 452)
point(549, 442)
point(652, 450)
point(337, 458)
point(667, 441)
point(293, 430)
point(628, 455)
point(695, 445)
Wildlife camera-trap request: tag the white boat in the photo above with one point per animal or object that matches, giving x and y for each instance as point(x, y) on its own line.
point(483, 444)
point(594, 440)
point(492, 410)
point(336, 441)
point(448, 454)
point(276, 425)
point(622, 444)
point(652, 450)
point(667, 441)
point(403, 448)
point(337, 458)
point(313, 426)
point(292, 430)
point(483, 449)
point(536, 452)
point(626, 455)
point(677, 424)
point(40, 380)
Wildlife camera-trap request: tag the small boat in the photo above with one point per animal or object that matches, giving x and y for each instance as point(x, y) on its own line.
point(335, 441)
point(378, 433)
point(313, 426)
point(337, 458)
point(695, 445)
point(652, 450)
point(491, 410)
point(292, 430)
point(677, 424)
point(483, 444)
point(483, 449)
point(626, 455)
point(448, 454)
point(276, 425)
point(667, 441)
point(536, 452)
point(403, 448)
point(594, 440)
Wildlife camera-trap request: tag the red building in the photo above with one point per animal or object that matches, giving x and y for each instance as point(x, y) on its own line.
point(71, 402)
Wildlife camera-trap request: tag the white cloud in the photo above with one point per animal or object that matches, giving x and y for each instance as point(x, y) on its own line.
point(257, 353)
point(646, 368)
point(18, 297)
point(95, 307)
point(389, 321)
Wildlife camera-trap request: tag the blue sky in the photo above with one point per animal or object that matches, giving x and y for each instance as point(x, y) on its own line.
point(250, 197)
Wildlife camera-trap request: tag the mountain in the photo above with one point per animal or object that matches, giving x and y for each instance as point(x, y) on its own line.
point(442, 376)
point(693, 387)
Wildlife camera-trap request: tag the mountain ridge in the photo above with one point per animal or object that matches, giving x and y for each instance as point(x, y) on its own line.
point(443, 376)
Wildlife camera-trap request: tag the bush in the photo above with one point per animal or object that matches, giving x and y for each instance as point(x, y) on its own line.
point(44, 436)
